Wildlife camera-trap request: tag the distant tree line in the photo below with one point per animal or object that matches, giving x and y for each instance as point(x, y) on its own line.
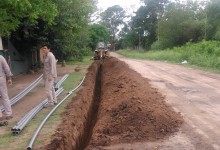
point(66, 25)
point(160, 24)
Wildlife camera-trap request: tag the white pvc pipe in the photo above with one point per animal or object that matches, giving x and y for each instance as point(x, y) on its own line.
point(23, 122)
point(24, 92)
point(43, 122)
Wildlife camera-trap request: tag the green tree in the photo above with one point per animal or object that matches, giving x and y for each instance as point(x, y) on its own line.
point(128, 37)
point(130, 40)
point(98, 33)
point(14, 12)
point(213, 20)
point(181, 23)
point(70, 33)
point(146, 19)
point(113, 18)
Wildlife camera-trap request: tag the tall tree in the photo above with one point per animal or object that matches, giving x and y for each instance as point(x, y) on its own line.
point(98, 33)
point(129, 38)
point(146, 19)
point(70, 33)
point(13, 12)
point(213, 20)
point(113, 18)
point(181, 23)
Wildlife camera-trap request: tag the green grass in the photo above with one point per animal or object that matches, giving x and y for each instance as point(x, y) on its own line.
point(204, 55)
point(85, 61)
point(29, 94)
point(169, 56)
point(71, 82)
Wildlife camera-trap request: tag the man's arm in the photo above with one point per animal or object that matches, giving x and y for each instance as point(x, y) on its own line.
point(7, 71)
point(53, 66)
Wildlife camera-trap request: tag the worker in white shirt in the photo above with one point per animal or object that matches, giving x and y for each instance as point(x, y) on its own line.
point(5, 78)
point(49, 75)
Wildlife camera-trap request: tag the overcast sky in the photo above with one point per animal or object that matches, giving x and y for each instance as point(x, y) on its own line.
point(104, 4)
point(135, 4)
point(130, 6)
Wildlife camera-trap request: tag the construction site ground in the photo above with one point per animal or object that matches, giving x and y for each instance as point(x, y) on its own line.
point(128, 104)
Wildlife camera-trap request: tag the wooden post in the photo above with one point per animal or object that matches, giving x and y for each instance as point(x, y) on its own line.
point(63, 63)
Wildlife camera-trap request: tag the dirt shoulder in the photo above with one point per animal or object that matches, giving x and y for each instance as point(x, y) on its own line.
point(193, 93)
point(116, 106)
point(143, 105)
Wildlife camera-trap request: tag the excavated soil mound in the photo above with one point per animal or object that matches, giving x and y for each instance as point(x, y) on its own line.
point(116, 105)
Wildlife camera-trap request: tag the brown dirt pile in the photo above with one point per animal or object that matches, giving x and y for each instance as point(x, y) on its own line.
point(130, 110)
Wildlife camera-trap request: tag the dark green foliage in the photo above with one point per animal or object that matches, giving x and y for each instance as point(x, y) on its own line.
point(113, 18)
point(69, 35)
point(213, 20)
point(181, 23)
point(63, 24)
point(13, 13)
point(143, 25)
point(98, 33)
point(205, 54)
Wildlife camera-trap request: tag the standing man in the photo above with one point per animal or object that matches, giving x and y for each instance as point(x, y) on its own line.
point(5, 74)
point(49, 75)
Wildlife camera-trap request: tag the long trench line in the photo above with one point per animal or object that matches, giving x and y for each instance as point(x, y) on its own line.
point(93, 112)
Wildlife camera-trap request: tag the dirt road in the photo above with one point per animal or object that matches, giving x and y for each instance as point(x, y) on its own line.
point(125, 112)
point(193, 93)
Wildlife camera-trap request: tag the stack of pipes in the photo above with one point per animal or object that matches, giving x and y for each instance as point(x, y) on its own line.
point(27, 118)
point(24, 92)
point(50, 113)
point(58, 84)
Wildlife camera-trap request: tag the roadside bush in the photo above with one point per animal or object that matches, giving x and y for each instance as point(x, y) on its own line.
point(204, 54)
point(156, 45)
point(160, 45)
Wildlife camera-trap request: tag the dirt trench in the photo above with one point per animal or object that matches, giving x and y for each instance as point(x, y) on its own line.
point(115, 106)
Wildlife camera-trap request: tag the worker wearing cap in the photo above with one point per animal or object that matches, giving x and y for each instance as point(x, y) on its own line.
point(5, 77)
point(49, 75)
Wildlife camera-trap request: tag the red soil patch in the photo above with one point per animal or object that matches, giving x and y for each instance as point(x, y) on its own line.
point(129, 110)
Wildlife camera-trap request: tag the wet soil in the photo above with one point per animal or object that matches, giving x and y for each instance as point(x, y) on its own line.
point(115, 106)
